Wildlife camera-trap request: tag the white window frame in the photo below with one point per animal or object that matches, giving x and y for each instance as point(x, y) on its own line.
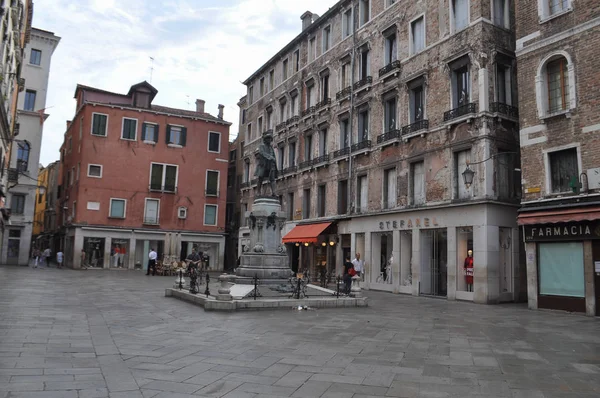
point(72, 176)
point(385, 204)
point(146, 141)
point(453, 17)
point(124, 208)
point(412, 197)
point(92, 176)
point(312, 48)
point(123, 126)
point(326, 40)
point(347, 30)
point(218, 182)
point(508, 82)
point(506, 12)
point(547, 172)
point(92, 125)
point(164, 176)
point(411, 36)
point(179, 210)
point(208, 143)
point(285, 72)
point(168, 132)
point(541, 85)
point(216, 215)
point(360, 13)
point(157, 211)
point(272, 83)
point(544, 10)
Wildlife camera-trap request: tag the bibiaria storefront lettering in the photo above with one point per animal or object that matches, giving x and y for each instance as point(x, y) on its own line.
point(468, 252)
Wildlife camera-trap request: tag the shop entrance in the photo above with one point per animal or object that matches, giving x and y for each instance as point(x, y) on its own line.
point(434, 263)
point(14, 243)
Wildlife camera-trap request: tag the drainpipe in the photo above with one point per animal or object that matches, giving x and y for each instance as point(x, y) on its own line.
point(351, 124)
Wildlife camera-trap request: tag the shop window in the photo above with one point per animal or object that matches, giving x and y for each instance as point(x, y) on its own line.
point(464, 261)
point(306, 204)
point(561, 269)
point(389, 188)
point(461, 160)
point(362, 199)
point(417, 178)
point(563, 170)
point(321, 200)
point(343, 197)
point(93, 249)
point(119, 252)
point(405, 258)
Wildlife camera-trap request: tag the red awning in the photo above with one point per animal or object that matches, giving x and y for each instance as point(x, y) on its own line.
point(305, 233)
point(556, 216)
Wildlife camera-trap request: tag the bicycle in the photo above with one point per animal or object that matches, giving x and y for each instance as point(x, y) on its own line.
point(384, 276)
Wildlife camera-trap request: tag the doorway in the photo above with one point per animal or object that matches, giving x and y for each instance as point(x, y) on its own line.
point(506, 265)
point(434, 263)
point(14, 243)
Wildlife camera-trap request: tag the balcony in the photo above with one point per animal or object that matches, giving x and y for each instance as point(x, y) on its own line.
point(305, 165)
point(308, 111)
point(292, 120)
point(280, 126)
point(460, 111)
point(321, 159)
point(244, 185)
point(363, 82)
point(416, 126)
point(389, 67)
point(389, 136)
point(504, 109)
point(359, 146)
point(323, 104)
point(289, 170)
point(341, 152)
point(151, 220)
point(13, 175)
point(343, 94)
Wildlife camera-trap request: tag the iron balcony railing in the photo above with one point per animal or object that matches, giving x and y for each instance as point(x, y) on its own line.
point(505, 109)
point(305, 164)
point(292, 120)
point(320, 159)
point(416, 126)
point(245, 184)
point(289, 170)
point(341, 152)
point(460, 111)
point(308, 111)
point(343, 93)
point(364, 144)
point(363, 82)
point(389, 67)
point(390, 135)
point(324, 103)
point(280, 126)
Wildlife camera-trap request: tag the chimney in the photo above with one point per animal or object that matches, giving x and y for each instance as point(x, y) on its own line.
point(200, 106)
point(68, 124)
point(307, 19)
point(221, 111)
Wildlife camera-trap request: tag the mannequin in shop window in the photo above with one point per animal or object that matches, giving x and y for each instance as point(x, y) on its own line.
point(469, 270)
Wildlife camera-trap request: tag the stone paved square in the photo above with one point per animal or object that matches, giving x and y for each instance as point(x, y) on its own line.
point(99, 334)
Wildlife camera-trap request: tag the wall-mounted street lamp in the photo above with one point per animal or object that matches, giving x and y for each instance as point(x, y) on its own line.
point(469, 173)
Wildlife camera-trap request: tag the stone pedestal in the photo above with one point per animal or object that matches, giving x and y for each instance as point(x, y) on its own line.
point(265, 256)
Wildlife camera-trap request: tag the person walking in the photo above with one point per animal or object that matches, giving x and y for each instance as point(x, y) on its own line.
point(358, 264)
point(46, 256)
point(152, 262)
point(349, 272)
point(59, 259)
point(36, 257)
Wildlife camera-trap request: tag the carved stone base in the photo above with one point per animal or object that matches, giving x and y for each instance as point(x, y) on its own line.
point(266, 266)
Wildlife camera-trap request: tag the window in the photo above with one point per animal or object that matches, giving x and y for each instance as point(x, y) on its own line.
point(417, 177)
point(249, 132)
point(290, 206)
point(262, 86)
point(308, 147)
point(461, 85)
point(364, 12)
point(461, 160)
point(210, 214)
point(416, 101)
point(68, 177)
point(80, 128)
point(325, 86)
point(129, 129)
point(271, 79)
point(306, 204)
point(363, 126)
point(251, 94)
point(389, 188)
point(390, 114)
point(282, 110)
point(30, 100)
point(344, 133)
point(561, 270)
point(284, 69)
point(563, 170)
point(343, 197)
point(310, 85)
point(326, 38)
point(270, 118)
point(391, 50)
point(417, 32)
point(389, 2)
point(36, 57)
point(347, 23)
point(214, 142)
point(182, 212)
point(152, 211)
point(176, 135)
point(99, 122)
point(459, 14)
point(117, 208)
point(558, 85)
point(260, 125)
point(321, 200)
point(296, 61)
point(78, 171)
point(506, 183)
point(281, 157)
point(244, 116)
point(323, 142)
point(74, 210)
point(72, 176)
point(557, 6)
point(163, 177)
point(312, 49)
point(503, 84)
point(246, 170)
point(361, 194)
point(70, 144)
point(345, 75)
point(292, 154)
point(150, 132)
point(23, 150)
point(500, 13)
point(364, 64)
point(17, 204)
point(95, 206)
point(294, 104)
point(212, 183)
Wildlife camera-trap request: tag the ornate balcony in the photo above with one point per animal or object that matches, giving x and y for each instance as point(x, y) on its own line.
point(292, 120)
point(344, 93)
point(416, 126)
point(341, 152)
point(306, 164)
point(289, 170)
point(308, 111)
point(245, 185)
point(13, 175)
point(280, 126)
point(364, 144)
point(460, 111)
point(323, 103)
point(389, 67)
point(320, 159)
point(504, 109)
point(390, 135)
point(363, 82)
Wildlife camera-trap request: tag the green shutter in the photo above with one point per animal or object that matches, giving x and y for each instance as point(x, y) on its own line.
point(183, 136)
point(168, 134)
point(144, 131)
point(156, 133)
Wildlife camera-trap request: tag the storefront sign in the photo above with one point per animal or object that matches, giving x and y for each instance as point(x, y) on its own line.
point(564, 231)
point(409, 223)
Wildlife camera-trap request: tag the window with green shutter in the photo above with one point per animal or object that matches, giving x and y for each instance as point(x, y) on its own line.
point(176, 135)
point(129, 129)
point(99, 124)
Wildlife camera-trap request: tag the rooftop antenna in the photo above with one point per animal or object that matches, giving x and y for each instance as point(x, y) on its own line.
point(151, 68)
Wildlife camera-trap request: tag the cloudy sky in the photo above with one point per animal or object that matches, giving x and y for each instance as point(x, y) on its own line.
point(201, 49)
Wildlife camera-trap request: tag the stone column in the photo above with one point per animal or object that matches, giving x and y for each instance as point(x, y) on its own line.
point(406, 254)
point(77, 247)
point(588, 272)
point(484, 96)
point(397, 254)
point(375, 258)
point(532, 275)
point(486, 259)
point(416, 261)
point(225, 289)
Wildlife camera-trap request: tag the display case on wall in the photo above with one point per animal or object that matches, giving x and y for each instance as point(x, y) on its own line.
point(464, 261)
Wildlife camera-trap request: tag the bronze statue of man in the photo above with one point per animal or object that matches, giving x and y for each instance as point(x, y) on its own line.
point(267, 164)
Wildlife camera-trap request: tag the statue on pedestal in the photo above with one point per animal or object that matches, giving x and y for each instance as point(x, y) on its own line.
point(267, 163)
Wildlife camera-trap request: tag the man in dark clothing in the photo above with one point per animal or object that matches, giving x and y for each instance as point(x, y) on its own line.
point(193, 259)
point(347, 277)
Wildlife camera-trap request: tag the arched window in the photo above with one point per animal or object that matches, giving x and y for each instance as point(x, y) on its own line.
point(555, 85)
point(23, 156)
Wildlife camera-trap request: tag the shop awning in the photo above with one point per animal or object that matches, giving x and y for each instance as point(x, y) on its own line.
point(556, 216)
point(305, 233)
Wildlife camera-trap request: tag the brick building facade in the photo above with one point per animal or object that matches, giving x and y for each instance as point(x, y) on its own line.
point(377, 108)
point(135, 176)
point(559, 98)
